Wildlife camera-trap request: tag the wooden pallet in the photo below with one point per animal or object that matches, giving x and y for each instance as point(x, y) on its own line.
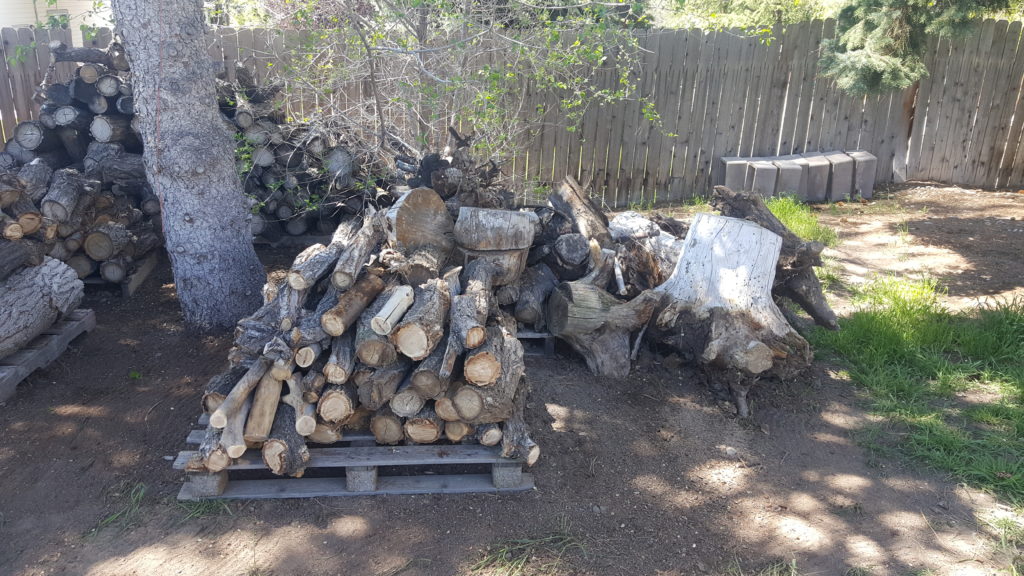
point(547, 340)
point(131, 285)
point(350, 468)
point(43, 350)
point(288, 241)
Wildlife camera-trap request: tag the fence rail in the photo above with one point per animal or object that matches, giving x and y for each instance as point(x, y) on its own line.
point(716, 93)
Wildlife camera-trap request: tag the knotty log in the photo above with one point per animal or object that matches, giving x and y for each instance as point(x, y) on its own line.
point(355, 254)
point(571, 200)
point(285, 451)
point(338, 402)
point(32, 299)
point(106, 241)
point(386, 427)
point(234, 400)
point(211, 456)
point(471, 308)
point(352, 304)
point(341, 360)
point(425, 427)
point(794, 271)
point(378, 386)
point(265, 402)
point(35, 179)
point(537, 283)
point(422, 328)
point(719, 308)
point(65, 188)
point(313, 381)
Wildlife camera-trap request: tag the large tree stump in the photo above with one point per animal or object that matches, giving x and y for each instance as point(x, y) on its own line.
point(719, 308)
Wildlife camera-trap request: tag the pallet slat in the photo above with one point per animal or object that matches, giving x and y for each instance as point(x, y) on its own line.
point(43, 350)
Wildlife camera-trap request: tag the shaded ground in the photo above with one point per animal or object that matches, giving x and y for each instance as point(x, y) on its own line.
point(651, 473)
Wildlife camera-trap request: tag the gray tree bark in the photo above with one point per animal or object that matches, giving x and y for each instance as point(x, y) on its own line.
point(190, 163)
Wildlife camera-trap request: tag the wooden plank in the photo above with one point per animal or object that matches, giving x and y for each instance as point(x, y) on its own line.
point(16, 64)
point(798, 37)
point(65, 70)
point(663, 44)
point(138, 277)
point(195, 437)
point(678, 89)
point(698, 176)
point(246, 57)
point(901, 115)
point(42, 40)
point(685, 145)
point(345, 456)
point(216, 51)
point(629, 187)
point(262, 54)
point(608, 190)
point(936, 57)
point(328, 487)
point(43, 350)
point(946, 108)
point(733, 101)
point(809, 66)
point(8, 115)
point(229, 44)
point(757, 92)
point(771, 102)
point(100, 38)
point(1008, 134)
point(31, 69)
point(991, 107)
point(978, 68)
point(822, 106)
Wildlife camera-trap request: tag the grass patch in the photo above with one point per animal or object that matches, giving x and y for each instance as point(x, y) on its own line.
point(799, 218)
point(779, 568)
point(204, 509)
point(539, 555)
point(953, 382)
point(127, 498)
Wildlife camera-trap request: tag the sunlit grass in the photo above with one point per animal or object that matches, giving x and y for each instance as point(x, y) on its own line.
point(919, 360)
point(531, 555)
point(801, 220)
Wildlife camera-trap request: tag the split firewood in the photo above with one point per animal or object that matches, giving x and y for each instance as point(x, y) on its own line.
point(233, 401)
point(384, 322)
point(265, 402)
point(285, 452)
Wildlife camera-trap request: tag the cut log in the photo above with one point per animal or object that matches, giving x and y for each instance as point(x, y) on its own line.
point(571, 200)
point(265, 402)
point(115, 270)
point(794, 273)
point(59, 94)
point(25, 212)
point(126, 170)
point(720, 309)
point(305, 356)
point(326, 433)
point(234, 400)
point(427, 379)
point(341, 361)
point(82, 265)
point(65, 188)
point(384, 322)
point(10, 227)
point(125, 105)
point(406, 402)
point(493, 403)
point(488, 229)
point(314, 262)
point(537, 283)
point(220, 386)
point(313, 381)
point(233, 437)
point(471, 308)
point(352, 304)
point(91, 72)
point(456, 431)
point(338, 402)
point(419, 218)
point(485, 435)
point(106, 241)
point(35, 179)
point(386, 427)
point(285, 451)
point(211, 456)
point(305, 412)
point(509, 264)
point(568, 257)
point(73, 117)
point(112, 128)
point(32, 299)
point(373, 349)
point(378, 386)
point(422, 328)
point(12, 257)
point(515, 434)
point(355, 255)
point(339, 164)
point(424, 263)
point(108, 85)
point(35, 136)
point(425, 427)
point(445, 404)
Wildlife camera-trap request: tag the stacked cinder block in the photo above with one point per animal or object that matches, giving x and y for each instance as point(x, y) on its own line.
point(812, 177)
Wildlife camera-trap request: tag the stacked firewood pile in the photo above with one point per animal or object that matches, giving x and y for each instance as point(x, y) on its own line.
point(299, 177)
point(72, 182)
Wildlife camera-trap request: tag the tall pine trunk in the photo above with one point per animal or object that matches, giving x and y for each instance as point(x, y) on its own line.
point(190, 161)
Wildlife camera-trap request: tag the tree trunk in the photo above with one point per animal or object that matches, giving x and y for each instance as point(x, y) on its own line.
point(190, 162)
point(32, 299)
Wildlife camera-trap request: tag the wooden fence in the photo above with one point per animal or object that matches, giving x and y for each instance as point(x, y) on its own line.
point(717, 94)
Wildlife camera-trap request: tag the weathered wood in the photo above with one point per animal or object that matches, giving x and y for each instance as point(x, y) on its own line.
point(424, 263)
point(406, 402)
point(351, 305)
point(379, 385)
point(537, 283)
point(421, 328)
point(469, 310)
point(73, 117)
point(386, 427)
point(488, 229)
point(35, 136)
point(106, 241)
point(265, 401)
point(25, 212)
point(571, 200)
point(313, 381)
point(485, 434)
point(417, 219)
point(456, 431)
point(493, 403)
point(82, 265)
point(515, 434)
point(12, 257)
point(218, 387)
point(112, 128)
point(314, 262)
point(425, 427)
point(356, 253)
point(305, 412)
point(211, 456)
point(341, 360)
point(338, 403)
point(61, 198)
point(32, 299)
point(384, 322)
point(35, 179)
point(428, 379)
point(373, 349)
point(234, 400)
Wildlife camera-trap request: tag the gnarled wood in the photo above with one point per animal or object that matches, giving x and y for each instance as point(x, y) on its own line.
point(32, 299)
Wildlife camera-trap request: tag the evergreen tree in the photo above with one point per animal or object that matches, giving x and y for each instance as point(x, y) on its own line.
point(880, 43)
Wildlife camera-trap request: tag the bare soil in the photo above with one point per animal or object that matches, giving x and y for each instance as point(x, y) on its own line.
point(652, 473)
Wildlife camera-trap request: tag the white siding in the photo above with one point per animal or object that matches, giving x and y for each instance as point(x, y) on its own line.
point(21, 13)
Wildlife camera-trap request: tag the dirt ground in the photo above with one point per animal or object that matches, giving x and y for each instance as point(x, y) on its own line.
point(651, 473)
